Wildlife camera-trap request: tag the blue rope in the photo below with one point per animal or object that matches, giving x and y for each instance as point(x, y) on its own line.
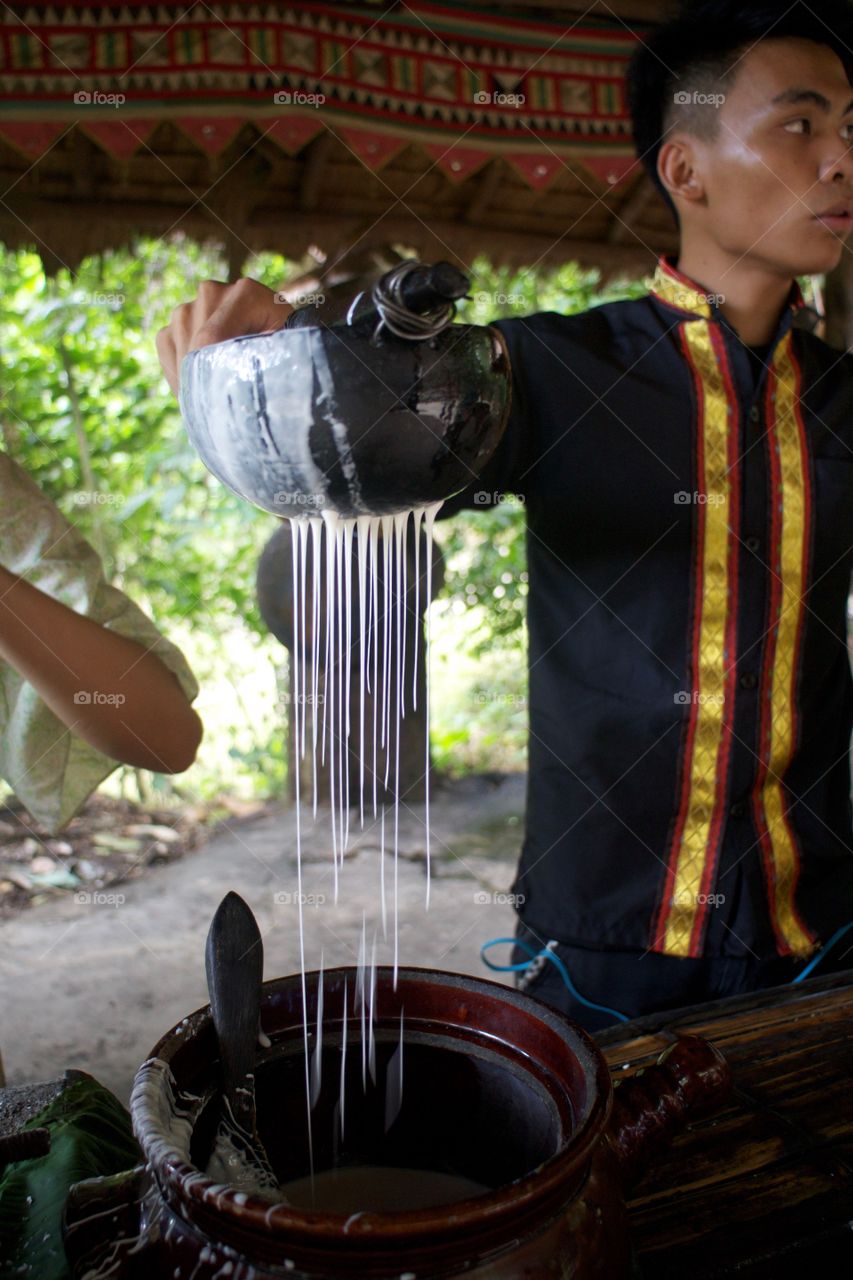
point(549, 955)
point(839, 933)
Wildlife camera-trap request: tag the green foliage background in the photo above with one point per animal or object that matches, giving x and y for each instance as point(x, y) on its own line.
point(85, 409)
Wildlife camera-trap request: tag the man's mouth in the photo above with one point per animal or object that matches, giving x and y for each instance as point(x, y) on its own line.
point(839, 217)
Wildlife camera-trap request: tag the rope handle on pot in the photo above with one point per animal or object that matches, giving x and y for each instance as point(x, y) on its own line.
point(395, 315)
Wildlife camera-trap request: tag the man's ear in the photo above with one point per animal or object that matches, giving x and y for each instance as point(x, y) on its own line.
point(678, 168)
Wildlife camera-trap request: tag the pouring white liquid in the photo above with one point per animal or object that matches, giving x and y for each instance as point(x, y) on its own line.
point(324, 729)
point(382, 633)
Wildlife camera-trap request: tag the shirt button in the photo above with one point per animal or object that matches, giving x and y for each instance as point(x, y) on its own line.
point(748, 680)
point(738, 809)
point(754, 413)
point(752, 544)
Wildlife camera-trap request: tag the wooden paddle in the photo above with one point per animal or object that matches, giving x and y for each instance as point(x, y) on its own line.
point(234, 962)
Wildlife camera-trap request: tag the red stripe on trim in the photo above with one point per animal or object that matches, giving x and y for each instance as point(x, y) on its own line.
point(730, 652)
point(796, 664)
point(672, 270)
point(698, 582)
point(773, 610)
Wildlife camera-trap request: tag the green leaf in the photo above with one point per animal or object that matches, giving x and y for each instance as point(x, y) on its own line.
point(61, 878)
point(90, 1136)
point(134, 503)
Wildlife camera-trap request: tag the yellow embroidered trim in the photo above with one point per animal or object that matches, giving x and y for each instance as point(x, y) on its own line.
point(671, 289)
point(710, 680)
point(791, 498)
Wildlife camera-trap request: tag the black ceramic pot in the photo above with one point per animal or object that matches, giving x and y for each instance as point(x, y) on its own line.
point(320, 418)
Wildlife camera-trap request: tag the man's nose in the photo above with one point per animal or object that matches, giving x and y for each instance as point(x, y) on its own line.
point(838, 160)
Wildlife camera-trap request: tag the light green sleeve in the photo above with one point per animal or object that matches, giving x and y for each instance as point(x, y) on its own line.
point(51, 770)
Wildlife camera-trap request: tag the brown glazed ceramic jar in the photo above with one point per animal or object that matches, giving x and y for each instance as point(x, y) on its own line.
point(497, 1087)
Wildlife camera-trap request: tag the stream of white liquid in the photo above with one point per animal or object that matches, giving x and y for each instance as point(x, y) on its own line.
point(381, 632)
point(330, 540)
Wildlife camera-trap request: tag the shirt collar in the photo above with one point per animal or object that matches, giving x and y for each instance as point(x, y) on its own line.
point(671, 286)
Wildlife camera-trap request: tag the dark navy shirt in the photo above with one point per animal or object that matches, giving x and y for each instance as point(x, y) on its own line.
point(689, 512)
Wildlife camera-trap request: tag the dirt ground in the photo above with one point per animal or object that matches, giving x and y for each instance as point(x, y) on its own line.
point(110, 842)
point(91, 978)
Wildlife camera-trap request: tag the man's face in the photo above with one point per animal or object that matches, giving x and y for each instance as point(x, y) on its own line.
point(773, 166)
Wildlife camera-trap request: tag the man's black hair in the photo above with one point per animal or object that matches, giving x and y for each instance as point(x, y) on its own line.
point(699, 51)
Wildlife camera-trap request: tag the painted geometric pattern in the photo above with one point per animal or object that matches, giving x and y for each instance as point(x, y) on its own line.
point(428, 66)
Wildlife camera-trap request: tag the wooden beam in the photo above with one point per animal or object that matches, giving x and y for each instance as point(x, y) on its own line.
point(556, 210)
point(312, 173)
point(631, 211)
point(82, 166)
point(228, 208)
point(98, 225)
point(490, 180)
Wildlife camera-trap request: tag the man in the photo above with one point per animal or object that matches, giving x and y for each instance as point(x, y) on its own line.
point(686, 463)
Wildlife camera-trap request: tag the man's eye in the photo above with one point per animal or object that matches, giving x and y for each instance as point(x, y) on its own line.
point(803, 120)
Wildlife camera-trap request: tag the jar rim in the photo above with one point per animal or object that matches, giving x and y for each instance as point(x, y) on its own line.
point(549, 1186)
